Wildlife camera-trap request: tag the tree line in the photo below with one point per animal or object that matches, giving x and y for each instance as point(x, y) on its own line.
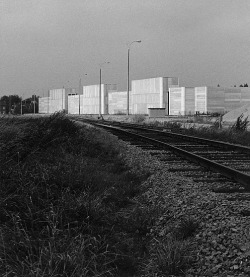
point(241, 86)
point(14, 104)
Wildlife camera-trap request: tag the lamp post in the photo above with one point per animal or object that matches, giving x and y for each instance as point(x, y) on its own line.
point(80, 92)
point(129, 44)
point(34, 103)
point(100, 89)
point(21, 105)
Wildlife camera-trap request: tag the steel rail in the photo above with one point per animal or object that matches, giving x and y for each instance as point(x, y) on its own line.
point(233, 174)
point(216, 143)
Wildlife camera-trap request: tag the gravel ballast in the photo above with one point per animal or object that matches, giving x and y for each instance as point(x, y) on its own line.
point(222, 239)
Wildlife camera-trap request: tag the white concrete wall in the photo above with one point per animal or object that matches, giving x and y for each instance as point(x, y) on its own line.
point(216, 99)
point(57, 100)
point(73, 104)
point(43, 105)
point(201, 99)
point(117, 102)
point(90, 99)
point(177, 101)
point(189, 100)
point(245, 95)
point(146, 93)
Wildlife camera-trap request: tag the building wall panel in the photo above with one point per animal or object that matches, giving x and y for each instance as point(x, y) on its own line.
point(215, 100)
point(90, 99)
point(245, 95)
point(177, 101)
point(189, 101)
point(201, 99)
point(73, 104)
point(117, 102)
point(147, 93)
point(43, 104)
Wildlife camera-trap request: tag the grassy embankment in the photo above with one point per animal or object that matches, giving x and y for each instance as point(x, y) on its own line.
point(67, 209)
point(238, 133)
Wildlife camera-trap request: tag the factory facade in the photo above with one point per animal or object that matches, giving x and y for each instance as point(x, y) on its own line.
point(147, 95)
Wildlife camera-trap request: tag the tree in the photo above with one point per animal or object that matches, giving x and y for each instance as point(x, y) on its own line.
point(28, 104)
point(4, 104)
point(245, 85)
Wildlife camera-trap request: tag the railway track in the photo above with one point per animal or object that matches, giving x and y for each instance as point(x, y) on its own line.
point(225, 166)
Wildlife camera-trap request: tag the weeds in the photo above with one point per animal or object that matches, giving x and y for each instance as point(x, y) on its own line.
point(67, 206)
point(186, 228)
point(174, 126)
point(241, 124)
point(62, 188)
point(138, 118)
point(170, 257)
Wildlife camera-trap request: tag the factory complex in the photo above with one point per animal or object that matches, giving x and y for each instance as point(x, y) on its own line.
point(154, 96)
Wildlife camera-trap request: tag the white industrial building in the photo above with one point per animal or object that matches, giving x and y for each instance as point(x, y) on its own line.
point(245, 95)
point(91, 98)
point(58, 99)
point(157, 94)
point(206, 100)
point(181, 101)
point(43, 104)
point(151, 93)
point(117, 102)
point(220, 99)
point(74, 104)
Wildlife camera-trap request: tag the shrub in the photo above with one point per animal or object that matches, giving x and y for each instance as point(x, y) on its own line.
point(186, 228)
point(241, 124)
point(175, 126)
point(138, 118)
point(170, 257)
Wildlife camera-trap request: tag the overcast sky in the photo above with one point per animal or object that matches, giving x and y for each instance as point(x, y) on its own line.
point(48, 44)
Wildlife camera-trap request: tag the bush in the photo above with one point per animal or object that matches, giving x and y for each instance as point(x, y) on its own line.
point(138, 118)
point(170, 257)
point(175, 126)
point(186, 228)
point(241, 124)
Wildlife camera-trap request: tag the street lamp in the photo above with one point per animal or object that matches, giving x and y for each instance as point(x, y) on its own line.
point(100, 97)
point(21, 105)
point(34, 103)
point(80, 92)
point(129, 44)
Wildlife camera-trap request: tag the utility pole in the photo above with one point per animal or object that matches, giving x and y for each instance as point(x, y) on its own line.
point(34, 103)
point(21, 106)
point(9, 104)
point(100, 89)
point(138, 41)
point(80, 90)
point(100, 93)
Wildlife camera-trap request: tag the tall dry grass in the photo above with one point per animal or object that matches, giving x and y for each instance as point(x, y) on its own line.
point(61, 189)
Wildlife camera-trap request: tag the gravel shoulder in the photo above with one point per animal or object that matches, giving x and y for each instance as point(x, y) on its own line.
point(223, 237)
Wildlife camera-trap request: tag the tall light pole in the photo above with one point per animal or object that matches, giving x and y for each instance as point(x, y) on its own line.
point(80, 92)
point(129, 44)
point(34, 103)
point(21, 105)
point(100, 89)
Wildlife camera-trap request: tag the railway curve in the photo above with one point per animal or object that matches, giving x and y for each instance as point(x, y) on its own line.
point(229, 163)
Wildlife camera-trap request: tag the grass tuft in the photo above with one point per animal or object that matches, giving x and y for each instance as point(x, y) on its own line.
point(170, 257)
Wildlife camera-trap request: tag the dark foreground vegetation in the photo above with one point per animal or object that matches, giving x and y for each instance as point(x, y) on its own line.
point(67, 208)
